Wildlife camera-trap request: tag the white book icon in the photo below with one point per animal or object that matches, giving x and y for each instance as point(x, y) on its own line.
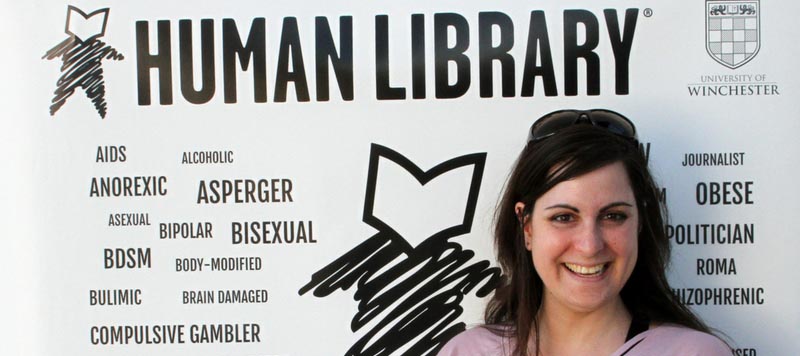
point(86, 27)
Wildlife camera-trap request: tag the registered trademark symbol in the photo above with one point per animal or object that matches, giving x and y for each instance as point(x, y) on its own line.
point(648, 12)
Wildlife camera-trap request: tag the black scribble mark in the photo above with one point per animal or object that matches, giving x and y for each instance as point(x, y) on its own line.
point(414, 303)
point(82, 64)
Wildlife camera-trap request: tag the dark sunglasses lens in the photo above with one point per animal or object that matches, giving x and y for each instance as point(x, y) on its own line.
point(608, 120)
point(547, 126)
point(614, 122)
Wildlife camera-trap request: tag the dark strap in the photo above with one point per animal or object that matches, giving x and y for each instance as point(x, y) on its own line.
point(638, 326)
point(631, 348)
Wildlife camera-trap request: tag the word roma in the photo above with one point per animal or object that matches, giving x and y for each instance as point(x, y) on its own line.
point(716, 266)
point(225, 296)
point(581, 38)
point(174, 334)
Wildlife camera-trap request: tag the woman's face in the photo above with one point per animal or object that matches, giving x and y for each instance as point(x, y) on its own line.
point(582, 235)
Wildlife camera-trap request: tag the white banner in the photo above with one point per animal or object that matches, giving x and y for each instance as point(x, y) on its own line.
point(319, 177)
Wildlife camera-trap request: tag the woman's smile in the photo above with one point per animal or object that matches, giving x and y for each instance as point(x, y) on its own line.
point(586, 271)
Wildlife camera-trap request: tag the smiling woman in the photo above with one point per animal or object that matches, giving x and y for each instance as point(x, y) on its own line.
point(581, 238)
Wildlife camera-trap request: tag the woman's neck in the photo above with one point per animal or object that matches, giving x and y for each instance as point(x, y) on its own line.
point(564, 331)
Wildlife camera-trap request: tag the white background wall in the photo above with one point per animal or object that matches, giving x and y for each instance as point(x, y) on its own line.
point(55, 233)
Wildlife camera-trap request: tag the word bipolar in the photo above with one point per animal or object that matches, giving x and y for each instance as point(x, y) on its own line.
point(581, 33)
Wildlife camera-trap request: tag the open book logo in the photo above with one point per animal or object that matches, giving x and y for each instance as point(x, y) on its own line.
point(82, 54)
point(86, 27)
point(411, 276)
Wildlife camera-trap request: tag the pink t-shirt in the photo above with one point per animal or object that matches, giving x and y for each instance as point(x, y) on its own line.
point(663, 340)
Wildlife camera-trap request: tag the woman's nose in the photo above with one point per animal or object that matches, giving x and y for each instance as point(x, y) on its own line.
point(590, 239)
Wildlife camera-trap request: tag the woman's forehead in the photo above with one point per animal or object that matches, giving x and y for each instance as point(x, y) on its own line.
point(607, 184)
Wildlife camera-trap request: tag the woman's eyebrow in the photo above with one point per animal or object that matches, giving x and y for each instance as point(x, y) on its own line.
point(616, 204)
point(570, 207)
point(565, 206)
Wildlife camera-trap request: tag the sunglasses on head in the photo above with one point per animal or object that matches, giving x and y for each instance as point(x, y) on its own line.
point(548, 125)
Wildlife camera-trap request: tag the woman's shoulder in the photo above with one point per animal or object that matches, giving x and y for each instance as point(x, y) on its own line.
point(682, 333)
point(670, 339)
point(478, 341)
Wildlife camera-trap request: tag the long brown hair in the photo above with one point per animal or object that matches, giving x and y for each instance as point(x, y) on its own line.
point(577, 150)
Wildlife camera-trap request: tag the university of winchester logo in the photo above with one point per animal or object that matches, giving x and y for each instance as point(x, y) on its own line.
point(732, 31)
point(82, 54)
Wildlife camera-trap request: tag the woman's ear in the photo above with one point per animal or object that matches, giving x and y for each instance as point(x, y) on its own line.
point(519, 210)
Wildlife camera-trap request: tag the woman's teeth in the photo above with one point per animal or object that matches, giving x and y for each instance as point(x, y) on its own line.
point(586, 270)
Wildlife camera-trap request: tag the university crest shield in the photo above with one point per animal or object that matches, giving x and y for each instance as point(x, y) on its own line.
point(733, 31)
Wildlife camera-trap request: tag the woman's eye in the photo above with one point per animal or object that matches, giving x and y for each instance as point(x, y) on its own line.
point(615, 216)
point(562, 218)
